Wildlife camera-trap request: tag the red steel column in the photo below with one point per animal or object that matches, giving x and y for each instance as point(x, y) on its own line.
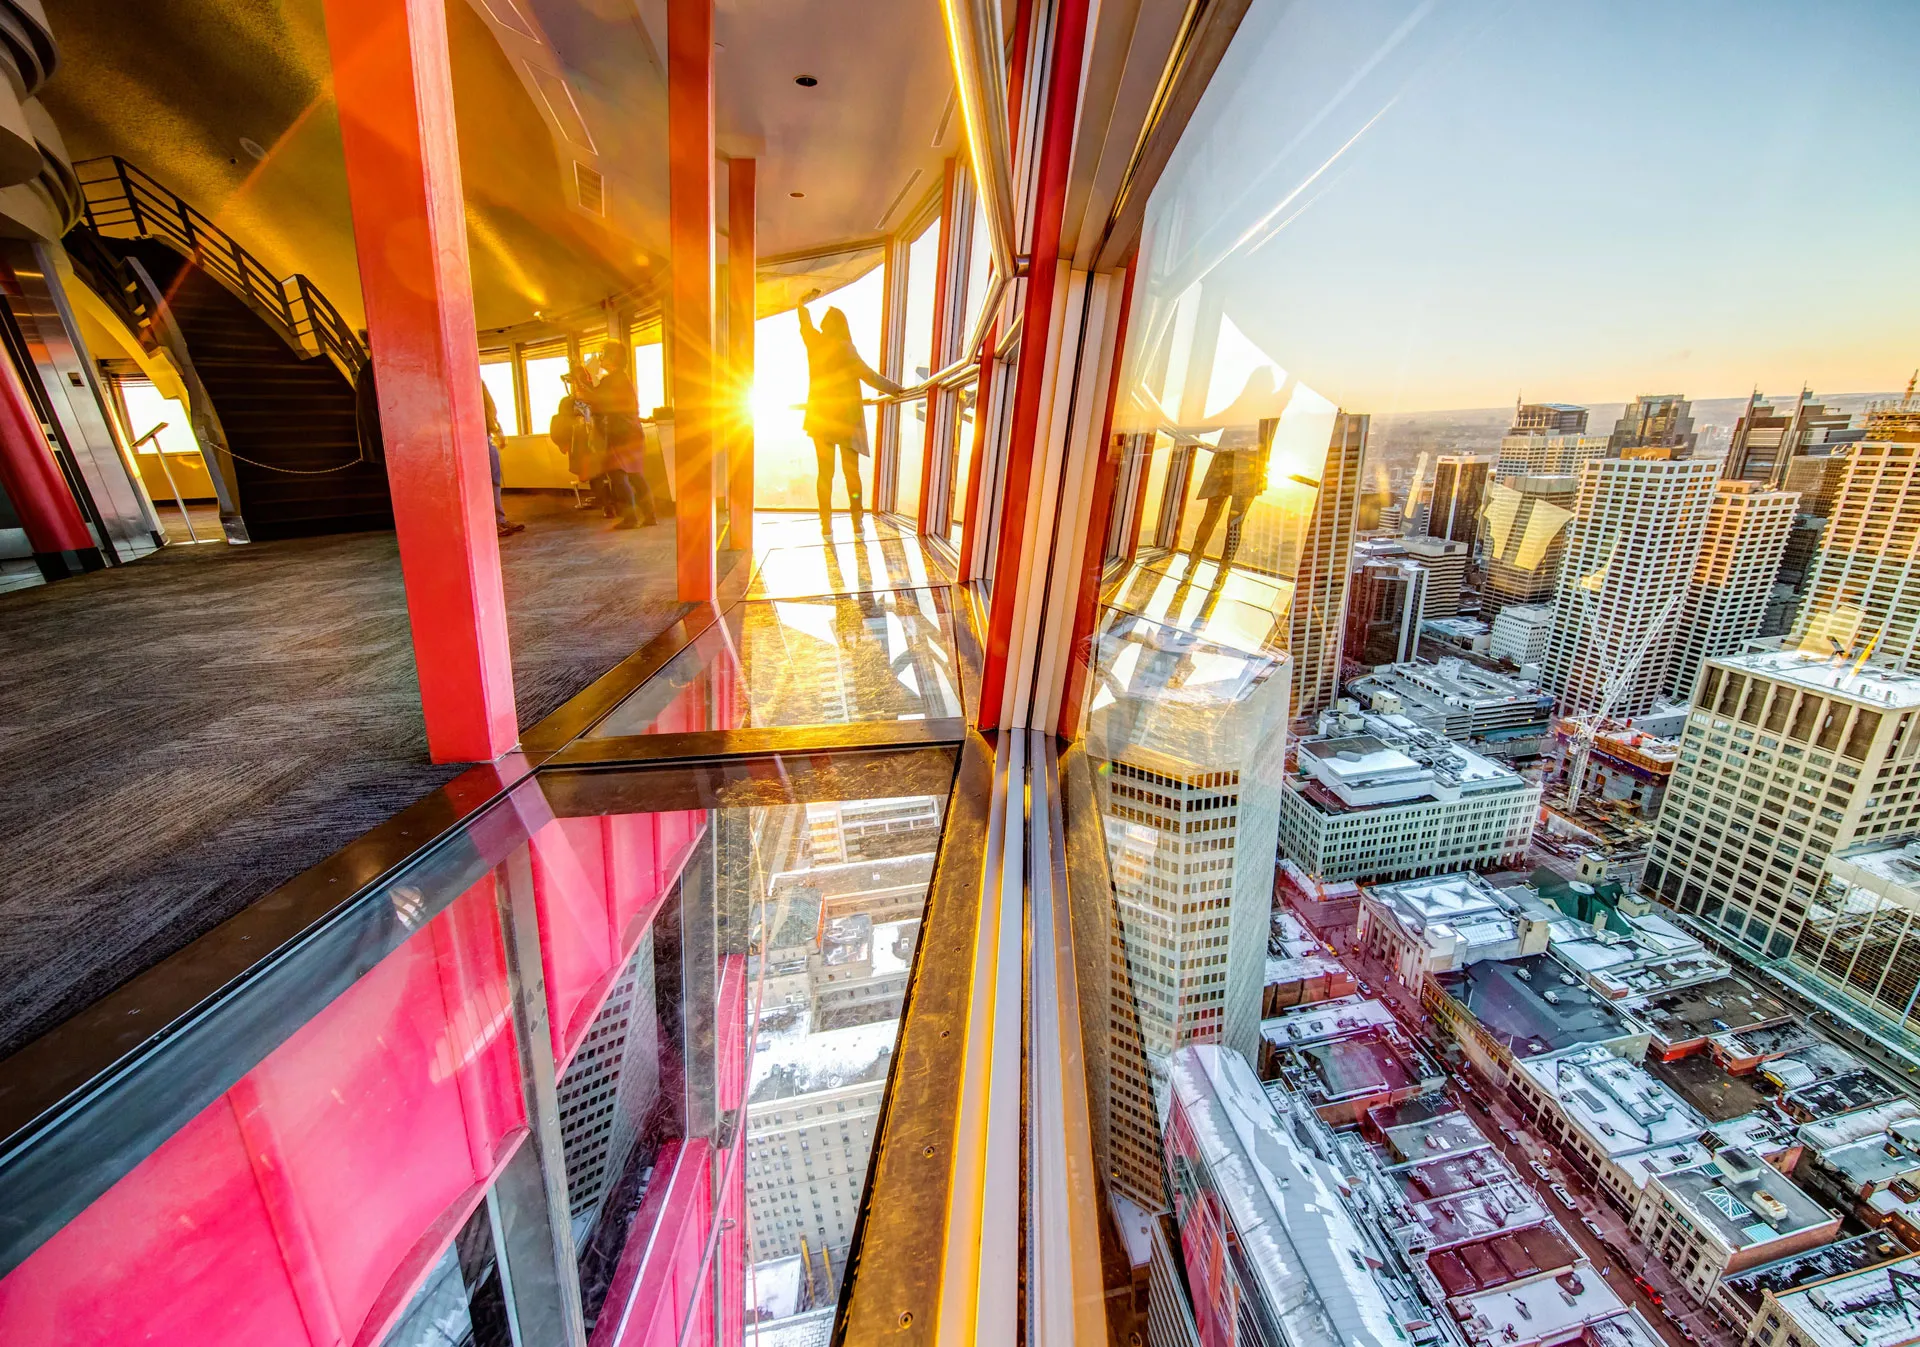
point(1037, 341)
point(690, 287)
point(394, 88)
point(742, 259)
point(34, 483)
point(1086, 610)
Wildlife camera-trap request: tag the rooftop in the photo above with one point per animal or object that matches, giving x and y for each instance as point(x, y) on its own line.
point(1848, 1127)
point(1836, 1095)
point(1354, 1067)
point(1424, 1180)
point(1819, 1061)
point(1616, 1103)
point(1327, 1020)
point(1694, 1014)
point(1485, 1264)
point(1434, 1136)
point(1706, 1085)
point(1871, 1162)
point(1887, 864)
point(1876, 684)
point(1873, 1308)
point(1816, 1265)
point(1743, 1200)
point(1537, 1311)
point(1534, 1005)
point(1309, 1259)
point(1479, 1214)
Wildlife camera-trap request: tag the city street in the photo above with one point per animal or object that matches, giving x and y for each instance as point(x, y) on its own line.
point(1492, 1112)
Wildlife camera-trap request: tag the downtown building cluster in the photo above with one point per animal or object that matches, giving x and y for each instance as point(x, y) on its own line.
point(1658, 1039)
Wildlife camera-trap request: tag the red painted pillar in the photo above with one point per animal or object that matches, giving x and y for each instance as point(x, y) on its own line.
point(690, 287)
point(394, 89)
point(56, 532)
point(1037, 339)
point(742, 261)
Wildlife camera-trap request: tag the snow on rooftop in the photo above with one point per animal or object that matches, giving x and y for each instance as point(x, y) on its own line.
point(790, 1061)
point(1878, 684)
point(1136, 1228)
point(1620, 1107)
point(888, 937)
point(1546, 1308)
point(1309, 1258)
point(1867, 1303)
point(1828, 1133)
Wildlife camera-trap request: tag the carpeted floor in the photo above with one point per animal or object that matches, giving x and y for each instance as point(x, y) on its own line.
point(179, 736)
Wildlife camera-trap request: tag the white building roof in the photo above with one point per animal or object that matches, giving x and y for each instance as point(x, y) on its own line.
point(1861, 1310)
point(1874, 684)
point(1328, 1019)
point(1308, 1256)
point(1544, 1309)
point(1828, 1133)
point(1621, 1108)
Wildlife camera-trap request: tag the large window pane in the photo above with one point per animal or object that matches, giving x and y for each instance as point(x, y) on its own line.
point(923, 278)
point(785, 468)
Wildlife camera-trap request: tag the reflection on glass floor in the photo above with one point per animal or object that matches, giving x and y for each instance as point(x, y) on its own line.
point(842, 660)
point(1241, 609)
point(708, 983)
point(794, 561)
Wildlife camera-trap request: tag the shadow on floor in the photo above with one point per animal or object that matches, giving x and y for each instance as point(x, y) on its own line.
point(181, 735)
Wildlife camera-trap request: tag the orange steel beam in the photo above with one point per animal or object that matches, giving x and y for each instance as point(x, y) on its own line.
point(394, 89)
point(690, 221)
point(742, 248)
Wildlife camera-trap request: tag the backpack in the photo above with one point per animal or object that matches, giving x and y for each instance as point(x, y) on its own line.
point(571, 431)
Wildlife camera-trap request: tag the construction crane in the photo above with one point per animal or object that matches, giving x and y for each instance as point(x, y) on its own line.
point(1586, 729)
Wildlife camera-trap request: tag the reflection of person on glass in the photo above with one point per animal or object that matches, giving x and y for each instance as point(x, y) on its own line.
point(836, 422)
point(609, 391)
point(1238, 471)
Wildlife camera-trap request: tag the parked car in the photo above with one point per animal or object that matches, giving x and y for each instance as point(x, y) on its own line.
point(1513, 1137)
point(1565, 1197)
point(1647, 1289)
point(1593, 1228)
point(1539, 1169)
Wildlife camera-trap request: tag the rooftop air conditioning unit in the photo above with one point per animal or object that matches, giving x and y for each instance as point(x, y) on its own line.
point(1524, 974)
point(1551, 998)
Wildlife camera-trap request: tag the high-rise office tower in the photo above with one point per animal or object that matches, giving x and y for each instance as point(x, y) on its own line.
point(1788, 757)
point(1747, 528)
point(1525, 526)
point(1384, 604)
point(1864, 589)
point(1655, 421)
point(1547, 439)
point(1446, 565)
point(1189, 774)
point(1548, 418)
point(1767, 438)
point(1319, 603)
point(1459, 486)
point(1637, 524)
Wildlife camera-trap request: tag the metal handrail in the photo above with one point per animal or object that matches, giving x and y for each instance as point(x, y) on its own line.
point(119, 200)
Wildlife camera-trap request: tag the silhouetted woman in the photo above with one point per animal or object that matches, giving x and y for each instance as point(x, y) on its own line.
point(835, 420)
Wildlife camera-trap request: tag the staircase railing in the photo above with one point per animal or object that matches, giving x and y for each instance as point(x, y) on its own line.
point(120, 201)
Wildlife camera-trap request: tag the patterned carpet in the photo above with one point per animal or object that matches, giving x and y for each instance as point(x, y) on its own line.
point(179, 736)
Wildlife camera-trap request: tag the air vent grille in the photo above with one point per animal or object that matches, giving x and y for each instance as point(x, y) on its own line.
point(593, 188)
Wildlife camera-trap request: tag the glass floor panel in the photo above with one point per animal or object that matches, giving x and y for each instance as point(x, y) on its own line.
point(693, 973)
point(848, 567)
point(1240, 609)
point(826, 660)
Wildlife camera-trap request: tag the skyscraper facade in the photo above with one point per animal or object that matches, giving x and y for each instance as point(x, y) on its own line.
point(1189, 773)
point(1525, 527)
point(1747, 528)
point(1459, 486)
point(1547, 439)
point(1319, 604)
point(1631, 548)
point(1864, 589)
point(1768, 437)
point(1787, 757)
point(1446, 566)
point(1655, 421)
point(1384, 604)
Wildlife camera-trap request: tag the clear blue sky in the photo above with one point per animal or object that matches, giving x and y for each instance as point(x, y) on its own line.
point(1578, 199)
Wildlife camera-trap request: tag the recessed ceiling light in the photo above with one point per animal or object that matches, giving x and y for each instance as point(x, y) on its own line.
point(805, 81)
point(796, 195)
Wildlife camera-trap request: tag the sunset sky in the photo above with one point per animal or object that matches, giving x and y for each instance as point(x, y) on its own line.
point(1445, 203)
